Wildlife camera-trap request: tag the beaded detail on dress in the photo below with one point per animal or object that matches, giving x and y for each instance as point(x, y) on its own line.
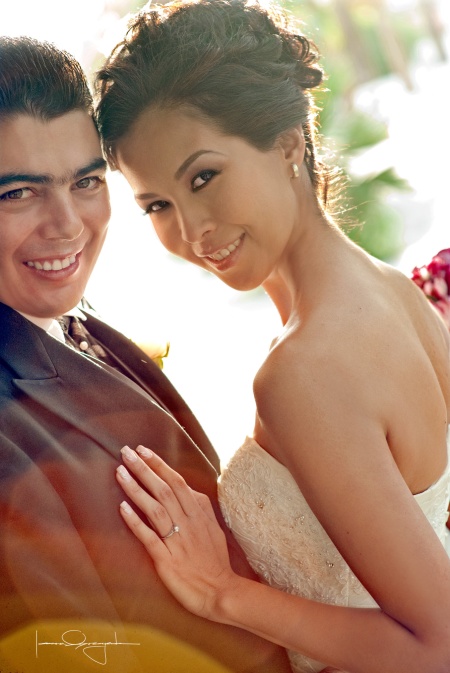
point(284, 541)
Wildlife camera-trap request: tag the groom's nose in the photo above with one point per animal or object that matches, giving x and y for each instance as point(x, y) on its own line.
point(62, 219)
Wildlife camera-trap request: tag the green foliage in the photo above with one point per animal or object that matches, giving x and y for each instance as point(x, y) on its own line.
point(349, 131)
point(353, 130)
point(380, 228)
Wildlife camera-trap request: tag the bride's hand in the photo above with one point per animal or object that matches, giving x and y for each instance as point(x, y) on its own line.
point(184, 540)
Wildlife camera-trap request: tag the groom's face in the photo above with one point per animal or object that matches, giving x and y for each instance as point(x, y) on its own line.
point(54, 211)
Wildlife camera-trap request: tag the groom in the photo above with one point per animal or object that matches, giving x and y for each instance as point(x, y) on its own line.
point(73, 391)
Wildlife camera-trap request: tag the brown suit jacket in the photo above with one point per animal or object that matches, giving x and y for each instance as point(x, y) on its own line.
point(64, 550)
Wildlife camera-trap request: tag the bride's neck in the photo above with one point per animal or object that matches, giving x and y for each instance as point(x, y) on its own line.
point(281, 297)
point(304, 273)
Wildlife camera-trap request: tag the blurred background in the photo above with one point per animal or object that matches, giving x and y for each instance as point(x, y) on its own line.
point(385, 117)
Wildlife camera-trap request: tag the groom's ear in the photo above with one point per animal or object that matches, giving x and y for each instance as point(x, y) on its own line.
point(292, 145)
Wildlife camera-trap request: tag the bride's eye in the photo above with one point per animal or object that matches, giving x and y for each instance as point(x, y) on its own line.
point(203, 178)
point(155, 207)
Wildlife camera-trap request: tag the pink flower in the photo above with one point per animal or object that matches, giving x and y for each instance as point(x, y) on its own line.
point(434, 280)
point(440, 288)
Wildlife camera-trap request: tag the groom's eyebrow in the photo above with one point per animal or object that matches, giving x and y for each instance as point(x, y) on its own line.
point(33, 178)
point(47, 178)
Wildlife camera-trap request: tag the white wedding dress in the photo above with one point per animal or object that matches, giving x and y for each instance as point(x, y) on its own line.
point(285, 543)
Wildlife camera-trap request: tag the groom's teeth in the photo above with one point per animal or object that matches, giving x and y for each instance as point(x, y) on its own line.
point(225, 252)
point(55, 265)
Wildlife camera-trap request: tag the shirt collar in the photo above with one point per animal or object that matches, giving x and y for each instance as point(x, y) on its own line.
point(51, 325)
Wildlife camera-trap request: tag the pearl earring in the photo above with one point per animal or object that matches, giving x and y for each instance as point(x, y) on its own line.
point(295, 171)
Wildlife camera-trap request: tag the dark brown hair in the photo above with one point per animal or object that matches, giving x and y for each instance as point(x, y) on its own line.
point(38, 79)
point(243, 67)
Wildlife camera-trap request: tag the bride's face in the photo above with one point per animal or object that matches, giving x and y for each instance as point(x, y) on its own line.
point(214, 199)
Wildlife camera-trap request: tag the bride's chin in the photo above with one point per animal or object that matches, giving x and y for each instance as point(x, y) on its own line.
point(237, 284)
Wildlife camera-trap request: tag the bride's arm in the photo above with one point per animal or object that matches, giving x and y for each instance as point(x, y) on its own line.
point(329, 425)
point(338, 453)
point(194, 565)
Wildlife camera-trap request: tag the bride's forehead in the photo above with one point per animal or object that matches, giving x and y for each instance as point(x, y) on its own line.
point(161, 137)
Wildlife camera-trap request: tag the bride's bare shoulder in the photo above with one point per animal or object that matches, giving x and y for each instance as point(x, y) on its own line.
point(371, 326)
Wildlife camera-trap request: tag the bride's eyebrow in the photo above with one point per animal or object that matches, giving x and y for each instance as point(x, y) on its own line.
point(179, 172)
point(185, 165)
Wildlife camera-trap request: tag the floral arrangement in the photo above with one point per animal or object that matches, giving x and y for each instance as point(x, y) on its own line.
point(156, 350)
point(434, 280)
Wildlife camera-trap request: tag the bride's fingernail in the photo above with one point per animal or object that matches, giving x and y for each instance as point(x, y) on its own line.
point(123, 473)
point(144, 452)
point(128, 454)
point(125, 507)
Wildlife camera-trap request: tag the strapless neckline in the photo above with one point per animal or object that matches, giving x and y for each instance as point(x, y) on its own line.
point(285, 543)
point(423, 495)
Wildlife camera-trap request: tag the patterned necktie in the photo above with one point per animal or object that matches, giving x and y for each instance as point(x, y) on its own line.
point(77, 336)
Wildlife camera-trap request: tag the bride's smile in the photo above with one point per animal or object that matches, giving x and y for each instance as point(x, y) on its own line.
point(214, 199)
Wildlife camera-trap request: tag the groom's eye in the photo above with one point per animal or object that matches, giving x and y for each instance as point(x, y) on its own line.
point(90, 182)
point(19, 194)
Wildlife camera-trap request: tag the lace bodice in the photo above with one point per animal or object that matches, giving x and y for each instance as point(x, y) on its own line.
point(284, 541)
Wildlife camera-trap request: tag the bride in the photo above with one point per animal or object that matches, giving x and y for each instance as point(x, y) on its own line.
point(339, 498)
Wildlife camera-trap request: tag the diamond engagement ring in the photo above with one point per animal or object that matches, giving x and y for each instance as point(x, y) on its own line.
point(174, 529)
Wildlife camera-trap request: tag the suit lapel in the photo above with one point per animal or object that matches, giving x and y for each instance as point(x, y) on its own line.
point(77, 388)
point(68, 383)
point(22, 348)
point(133, 360)
point(141, 369)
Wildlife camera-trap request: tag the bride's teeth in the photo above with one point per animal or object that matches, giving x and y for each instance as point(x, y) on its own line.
point(72, 259)
point(38, 265)
point(47, 266)
point(57, 265)
point(234, 245)
point(225, 252)
point(65, 263)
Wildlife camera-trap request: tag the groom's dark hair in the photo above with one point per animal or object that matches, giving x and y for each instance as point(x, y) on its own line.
point(38, 79)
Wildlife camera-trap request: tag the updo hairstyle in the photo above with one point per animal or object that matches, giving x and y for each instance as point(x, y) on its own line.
point(242, 66)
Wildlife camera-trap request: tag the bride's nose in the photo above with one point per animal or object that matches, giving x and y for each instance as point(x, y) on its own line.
point(195, 224)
